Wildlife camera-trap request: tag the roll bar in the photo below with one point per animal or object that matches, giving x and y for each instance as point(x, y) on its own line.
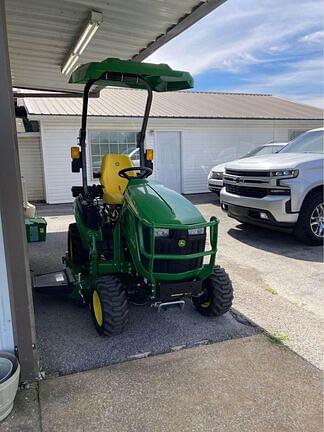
point(122, 78)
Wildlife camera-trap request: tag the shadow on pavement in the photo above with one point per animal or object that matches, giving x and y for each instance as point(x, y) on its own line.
point(276, 242)
point(204, 198)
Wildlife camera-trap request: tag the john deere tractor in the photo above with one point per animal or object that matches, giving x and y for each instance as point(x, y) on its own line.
point(134, 240)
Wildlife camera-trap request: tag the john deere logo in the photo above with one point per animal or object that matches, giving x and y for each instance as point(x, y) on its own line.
point(181, 243)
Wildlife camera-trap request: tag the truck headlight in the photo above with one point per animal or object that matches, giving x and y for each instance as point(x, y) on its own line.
point(217, 175)
point(161, 232)
point(196, 231)
point(285, 173)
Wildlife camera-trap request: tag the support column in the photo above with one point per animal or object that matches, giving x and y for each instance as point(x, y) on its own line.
point(11, 209)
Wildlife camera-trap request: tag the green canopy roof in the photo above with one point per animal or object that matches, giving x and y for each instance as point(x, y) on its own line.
point(160, 77)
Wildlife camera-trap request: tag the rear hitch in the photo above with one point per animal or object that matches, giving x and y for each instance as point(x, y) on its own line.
point(165, 305)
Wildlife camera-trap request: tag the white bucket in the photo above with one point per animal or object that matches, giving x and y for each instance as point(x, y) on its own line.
point(6, 367)
point(8, 388)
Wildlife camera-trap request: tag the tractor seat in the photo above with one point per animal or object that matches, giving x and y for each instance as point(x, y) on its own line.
point(113, 185)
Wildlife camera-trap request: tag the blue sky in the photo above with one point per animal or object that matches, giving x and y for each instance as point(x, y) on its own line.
point(258, 46)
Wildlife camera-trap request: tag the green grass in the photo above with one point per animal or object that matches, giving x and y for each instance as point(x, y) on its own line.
point(272, 291)
point(277, 338)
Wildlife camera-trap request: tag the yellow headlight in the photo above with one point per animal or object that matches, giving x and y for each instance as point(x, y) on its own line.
point(149, 154)
point(75, 153)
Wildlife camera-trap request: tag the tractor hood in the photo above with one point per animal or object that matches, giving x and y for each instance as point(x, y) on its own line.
point(155, 203)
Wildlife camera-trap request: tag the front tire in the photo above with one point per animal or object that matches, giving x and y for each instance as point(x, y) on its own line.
point(310, 225)
point(108, 305)
point(217, 296)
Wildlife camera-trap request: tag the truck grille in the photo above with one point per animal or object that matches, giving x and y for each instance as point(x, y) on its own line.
point(248, 173)
point(247, 191)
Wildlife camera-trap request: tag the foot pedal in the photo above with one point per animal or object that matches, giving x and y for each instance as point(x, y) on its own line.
point(59, 282)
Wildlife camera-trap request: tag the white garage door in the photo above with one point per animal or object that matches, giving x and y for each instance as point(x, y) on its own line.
point(31, 165)
point(168, 159)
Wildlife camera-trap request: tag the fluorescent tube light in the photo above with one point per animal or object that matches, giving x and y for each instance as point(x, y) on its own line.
point(75, 59)
point(68, 64)
point(92, 25)
point(82, 38)
point(88, 39)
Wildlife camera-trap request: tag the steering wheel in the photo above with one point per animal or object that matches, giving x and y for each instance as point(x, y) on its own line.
point(143, 172)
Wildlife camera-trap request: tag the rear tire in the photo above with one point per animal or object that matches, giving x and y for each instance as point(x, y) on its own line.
point(217, 296)
point(312, 210)
point(77, 254)
point(108, 305)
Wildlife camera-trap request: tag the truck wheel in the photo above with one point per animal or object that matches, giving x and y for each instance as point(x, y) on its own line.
point(217, 296)
point(108, 305)
point(77, 254)
point(310, 225)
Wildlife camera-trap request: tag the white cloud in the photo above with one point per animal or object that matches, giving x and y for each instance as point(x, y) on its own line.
point(315, 37)
point(301, 73)
point(240, 33)
point(293, 84)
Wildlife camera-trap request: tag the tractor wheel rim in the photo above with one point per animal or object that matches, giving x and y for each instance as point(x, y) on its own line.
point(317, 221)
point(206, 304)
point(97, 309)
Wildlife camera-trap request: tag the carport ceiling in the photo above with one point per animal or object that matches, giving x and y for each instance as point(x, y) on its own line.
point(41, 33)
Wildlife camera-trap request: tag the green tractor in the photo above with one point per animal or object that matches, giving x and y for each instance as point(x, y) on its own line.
point(133, 239)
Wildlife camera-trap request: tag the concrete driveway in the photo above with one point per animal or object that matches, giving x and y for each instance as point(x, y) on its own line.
point(242, 385)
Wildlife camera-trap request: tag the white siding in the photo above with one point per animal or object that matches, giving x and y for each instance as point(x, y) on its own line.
point(56, 141)
point(6, 332)
point(203, 149)
point(31, 165)
point(204, 144)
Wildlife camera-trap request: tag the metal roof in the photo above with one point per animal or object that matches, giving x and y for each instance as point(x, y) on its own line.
point(41, 33)
point(130, 103)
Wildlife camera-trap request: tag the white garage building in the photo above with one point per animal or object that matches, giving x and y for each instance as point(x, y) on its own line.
point(189, 131)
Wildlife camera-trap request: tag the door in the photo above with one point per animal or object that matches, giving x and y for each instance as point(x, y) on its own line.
point(168, 159)
point(31, 165)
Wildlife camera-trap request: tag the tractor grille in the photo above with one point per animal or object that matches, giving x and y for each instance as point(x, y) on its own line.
point(247, 191)
point(169, 245)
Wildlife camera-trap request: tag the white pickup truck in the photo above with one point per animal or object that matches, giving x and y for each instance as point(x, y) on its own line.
point(281, 191)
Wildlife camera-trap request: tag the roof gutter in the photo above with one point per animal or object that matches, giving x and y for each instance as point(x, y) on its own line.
point(46, 93)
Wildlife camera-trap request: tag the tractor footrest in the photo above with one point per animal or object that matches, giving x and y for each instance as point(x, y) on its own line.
point(168, 291)
point(59, 282)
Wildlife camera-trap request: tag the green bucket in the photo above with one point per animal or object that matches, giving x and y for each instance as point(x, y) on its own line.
point(35, 229)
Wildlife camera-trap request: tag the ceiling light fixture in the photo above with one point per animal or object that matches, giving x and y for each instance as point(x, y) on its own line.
point(85, 37)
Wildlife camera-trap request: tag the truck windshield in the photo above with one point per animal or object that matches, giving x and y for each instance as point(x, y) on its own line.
point(309, 142)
